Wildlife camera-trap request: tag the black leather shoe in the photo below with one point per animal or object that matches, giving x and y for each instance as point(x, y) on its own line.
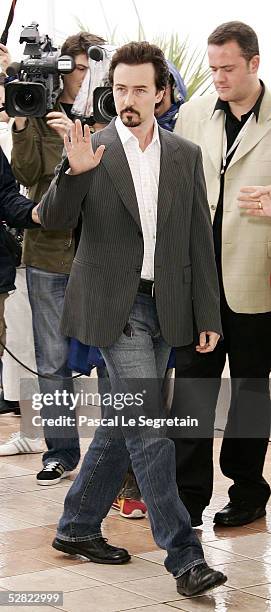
point(199, 579)
point(235, 515)
point(96, 550)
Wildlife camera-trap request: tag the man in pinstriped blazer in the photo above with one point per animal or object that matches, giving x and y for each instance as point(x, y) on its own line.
point(144, 264)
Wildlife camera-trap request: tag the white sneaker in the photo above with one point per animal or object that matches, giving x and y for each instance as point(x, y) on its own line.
point(19, 444)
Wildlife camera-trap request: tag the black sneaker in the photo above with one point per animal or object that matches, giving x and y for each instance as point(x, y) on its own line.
point(52, 473)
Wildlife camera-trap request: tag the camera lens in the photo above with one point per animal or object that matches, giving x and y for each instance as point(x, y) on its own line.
point(106, 105)
point(26, 99)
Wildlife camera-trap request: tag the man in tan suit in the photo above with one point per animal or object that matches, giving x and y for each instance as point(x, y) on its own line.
point(233, 128)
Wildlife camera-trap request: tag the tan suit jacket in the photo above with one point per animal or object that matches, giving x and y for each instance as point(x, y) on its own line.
point(246, 241)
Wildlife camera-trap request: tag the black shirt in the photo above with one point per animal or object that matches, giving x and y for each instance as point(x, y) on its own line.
point(233, 126)
point(67, 108)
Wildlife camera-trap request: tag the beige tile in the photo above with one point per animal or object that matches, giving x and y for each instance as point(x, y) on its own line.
point(104, 599)
point(54, 557)
point(4, 488)
point(254, 546)
point(160, 588)
point(29, 608)
point(112, 527)
point(54, 493)
point(155, 608)
point(22, 501)
point(29, 483)
point(213, 556)
point(11, 471)
point(25, 539)
point(135, 542)
point(29, 460)
point(55, 579)
point(263, 590)
point(134, 570)
point(15, 563)
point(246, 573)
point(155, 556)
point(11, 524)
point(222, 601)
point(42, 515)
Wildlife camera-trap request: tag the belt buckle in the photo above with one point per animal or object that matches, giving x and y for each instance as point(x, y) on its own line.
point(152, 290)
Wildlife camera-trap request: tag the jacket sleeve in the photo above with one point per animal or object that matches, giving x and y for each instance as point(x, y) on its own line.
point(15, 208)
point(61, 205)
point(26, 158)
point(206, 299)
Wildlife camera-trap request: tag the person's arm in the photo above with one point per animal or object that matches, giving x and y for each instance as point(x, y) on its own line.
point(26, 158)
point(60, 207)
point(205, 288)
point(16, 209)
point(256, 200)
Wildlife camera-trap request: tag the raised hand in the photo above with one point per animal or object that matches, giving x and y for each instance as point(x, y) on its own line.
point(79, 149)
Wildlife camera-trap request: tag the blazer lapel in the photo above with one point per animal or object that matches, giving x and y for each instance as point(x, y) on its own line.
point(167, 178)
point(116, 164)
point(213, 129)
point(255, 133)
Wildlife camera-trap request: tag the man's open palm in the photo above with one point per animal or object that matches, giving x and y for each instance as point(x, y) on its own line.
point(79, 149)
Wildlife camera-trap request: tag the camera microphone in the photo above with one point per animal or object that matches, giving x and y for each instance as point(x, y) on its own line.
point(13, 69)
point(96, 53)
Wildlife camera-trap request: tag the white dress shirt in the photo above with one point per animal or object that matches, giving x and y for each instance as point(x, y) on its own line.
point(145, 170)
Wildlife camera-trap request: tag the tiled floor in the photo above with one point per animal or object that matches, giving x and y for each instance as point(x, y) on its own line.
point(28, 516)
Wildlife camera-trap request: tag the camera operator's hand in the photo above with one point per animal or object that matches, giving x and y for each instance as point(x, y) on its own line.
point(59, 122)
point(5, 58)
point(79, 149)
point(35, 214)
point(19, 123)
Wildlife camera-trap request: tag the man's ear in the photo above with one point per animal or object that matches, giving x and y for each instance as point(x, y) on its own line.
point(160, 94)
point(254, 64)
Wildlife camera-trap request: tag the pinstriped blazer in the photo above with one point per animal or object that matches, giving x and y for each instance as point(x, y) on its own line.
point(106, 270)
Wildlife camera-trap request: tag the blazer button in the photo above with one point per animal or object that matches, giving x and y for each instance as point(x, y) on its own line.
point(213, 207)
point(138, 270)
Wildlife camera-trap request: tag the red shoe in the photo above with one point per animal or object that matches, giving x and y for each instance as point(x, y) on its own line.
point(130, 508)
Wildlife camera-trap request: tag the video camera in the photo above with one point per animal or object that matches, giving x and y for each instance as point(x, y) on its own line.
point(103, 102)
point(35, 84)
point(94, 102)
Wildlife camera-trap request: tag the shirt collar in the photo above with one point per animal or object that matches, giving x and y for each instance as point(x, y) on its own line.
point(125, 134)
point(222, 105)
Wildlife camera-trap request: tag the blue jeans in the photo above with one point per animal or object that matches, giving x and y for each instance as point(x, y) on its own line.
point(46, 295)
point(140, 352)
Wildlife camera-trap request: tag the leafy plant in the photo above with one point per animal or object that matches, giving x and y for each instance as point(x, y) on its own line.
point(190, 63)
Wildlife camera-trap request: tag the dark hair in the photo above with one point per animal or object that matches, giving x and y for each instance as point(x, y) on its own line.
point(135, 53)
point(241, 33)
point(80, 43)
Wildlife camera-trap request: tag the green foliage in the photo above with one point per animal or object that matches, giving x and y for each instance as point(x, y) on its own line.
point(190, 63)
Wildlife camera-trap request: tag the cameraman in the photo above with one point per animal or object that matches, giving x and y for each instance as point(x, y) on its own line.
point(48, 255)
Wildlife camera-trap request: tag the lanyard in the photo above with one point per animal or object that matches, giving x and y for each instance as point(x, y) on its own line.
point(237, 141)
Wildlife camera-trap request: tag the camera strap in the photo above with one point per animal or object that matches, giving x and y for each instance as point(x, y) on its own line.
point(4, 35)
